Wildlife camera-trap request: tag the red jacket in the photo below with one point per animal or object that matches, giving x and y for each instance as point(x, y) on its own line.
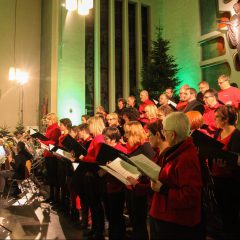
point(141, 110)
point(179, 199)
point(143, 186)
point(93, 149)
point(209, 118)
point(181, 105)
point(113, 184)
point(60, 140)
point(53, 133)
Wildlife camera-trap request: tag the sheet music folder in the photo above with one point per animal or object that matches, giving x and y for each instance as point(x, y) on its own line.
point(72, 145)
point(141, 162)
point(108, 153)
point(211, 148)
point(58, 151)
point(38, 135)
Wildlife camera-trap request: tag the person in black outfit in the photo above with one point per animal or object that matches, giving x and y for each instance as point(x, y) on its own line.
point(203, 87)
point(121, 104)
point(192, 103)
point(18, 165)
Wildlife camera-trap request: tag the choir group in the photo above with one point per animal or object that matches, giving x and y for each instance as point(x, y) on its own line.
point(176, 205)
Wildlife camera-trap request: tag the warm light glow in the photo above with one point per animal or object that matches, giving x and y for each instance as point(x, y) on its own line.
point(82, 9)
point(71, 5)
point(15, 74)
point(12, 74)
point(21, 77)
point(88, 3)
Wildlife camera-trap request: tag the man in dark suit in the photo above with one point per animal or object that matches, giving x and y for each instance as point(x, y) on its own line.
point(192, 103)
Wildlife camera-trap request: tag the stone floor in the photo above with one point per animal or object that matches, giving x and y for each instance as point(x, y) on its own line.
point(28, 218)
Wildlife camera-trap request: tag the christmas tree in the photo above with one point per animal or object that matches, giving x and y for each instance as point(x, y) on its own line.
point(4, 130)
point(19, 128)
point(160, 69)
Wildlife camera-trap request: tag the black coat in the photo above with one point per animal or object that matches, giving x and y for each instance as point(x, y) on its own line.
point(19, 164)
point(194, 105)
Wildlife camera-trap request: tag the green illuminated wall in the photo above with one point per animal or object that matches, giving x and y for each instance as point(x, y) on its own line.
point(71, 66)
point(181, 25)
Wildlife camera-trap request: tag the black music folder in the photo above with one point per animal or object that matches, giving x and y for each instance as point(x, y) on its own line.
point(108, 153)
point(72, 145)
point(37, 135)
point(60, 152)
point(211, 148)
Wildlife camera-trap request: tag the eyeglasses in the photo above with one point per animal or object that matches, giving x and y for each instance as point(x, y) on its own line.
point(106, 139)
point(164, 131)
point(110, 119)
point(217, 116)
point(219, 83)
point(207, 96)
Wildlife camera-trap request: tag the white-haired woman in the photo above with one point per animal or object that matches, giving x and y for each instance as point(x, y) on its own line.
point(176, 207)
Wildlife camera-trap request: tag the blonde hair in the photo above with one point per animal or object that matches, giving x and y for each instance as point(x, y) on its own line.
point(96, 125)
point(135, 133)
point(224, 77)
point(53, 117)
point(151, 111)
point(114, 116)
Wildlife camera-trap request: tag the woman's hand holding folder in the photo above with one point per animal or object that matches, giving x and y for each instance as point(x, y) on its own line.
point(156, 185)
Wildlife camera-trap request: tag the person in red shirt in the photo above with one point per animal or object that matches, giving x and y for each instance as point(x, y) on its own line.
point(151, 114)
point(115, 189)
point(79, 178)
point(64, 167)
point(93, 193)
point(53, 133)
point(210, 98)
point(226, 177)
point(182, 103)
point(157, 140)
point(228, 94)
point(144, 97)
point(176, 206)
point(163, 111)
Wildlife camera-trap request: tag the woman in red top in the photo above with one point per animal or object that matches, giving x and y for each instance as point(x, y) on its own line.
point(53, 133)
point(157, 140)
point(151, 113)
point(137, 197)
point(79, 180)
point(93, 193)
point(115, 189)
point(64, 166)
point(226, 177)
point(176, 206)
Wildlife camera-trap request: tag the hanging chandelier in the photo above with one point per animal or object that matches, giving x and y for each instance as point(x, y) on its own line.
point(82, 6)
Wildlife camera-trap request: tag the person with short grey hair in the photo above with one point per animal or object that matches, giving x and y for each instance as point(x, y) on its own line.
point(175, 212)
point(179, 125)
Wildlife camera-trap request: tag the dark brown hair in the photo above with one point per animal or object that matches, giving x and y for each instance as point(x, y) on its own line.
point(227, 112)
point(112, 133)
point(156, 127)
